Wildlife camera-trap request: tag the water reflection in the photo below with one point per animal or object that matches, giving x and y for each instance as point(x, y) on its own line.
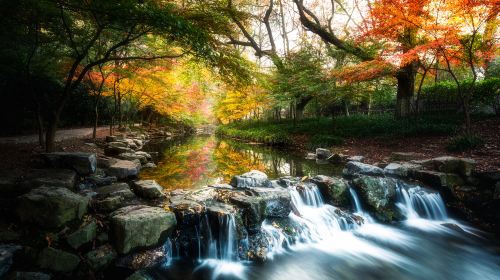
point(203, 160)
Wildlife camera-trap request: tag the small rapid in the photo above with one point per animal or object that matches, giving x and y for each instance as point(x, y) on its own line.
point(319, 231)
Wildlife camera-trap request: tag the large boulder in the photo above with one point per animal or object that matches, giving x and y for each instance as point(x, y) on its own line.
point(123, 169)
point(252, 209)
point(140, 226)
point(403, 169)
point(148, 189)
point(250, 179)
point(438, 180)
point(448, 164)
point(64, 178)
point(51, 207)
point(58, 260)
point(277, 201)
point(354, 168)
point(82, 163)
point(7, 252)
point(334, 190)
point(112, 197)
point(379, 194)
point(83, 235)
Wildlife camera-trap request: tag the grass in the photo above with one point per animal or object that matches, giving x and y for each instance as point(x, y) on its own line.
point(325, 132)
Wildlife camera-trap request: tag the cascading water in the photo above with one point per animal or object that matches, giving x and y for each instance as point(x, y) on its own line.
point(415, 202)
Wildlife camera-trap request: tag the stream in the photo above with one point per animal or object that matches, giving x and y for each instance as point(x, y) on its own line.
point(427, 244)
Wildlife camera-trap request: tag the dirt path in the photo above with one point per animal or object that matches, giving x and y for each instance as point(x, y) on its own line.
point(63, 134)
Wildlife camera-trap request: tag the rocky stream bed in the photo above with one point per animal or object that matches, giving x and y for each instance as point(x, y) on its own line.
point(89, 217)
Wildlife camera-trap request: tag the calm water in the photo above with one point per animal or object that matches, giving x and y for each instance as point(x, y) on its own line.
point(201, 160)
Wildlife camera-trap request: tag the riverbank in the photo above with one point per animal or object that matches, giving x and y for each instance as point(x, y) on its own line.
point(374, 137)
point(86, 214)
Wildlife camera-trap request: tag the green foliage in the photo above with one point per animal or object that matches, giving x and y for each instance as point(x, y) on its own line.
point(464, 143)
point(485, 91)
point(328, 132)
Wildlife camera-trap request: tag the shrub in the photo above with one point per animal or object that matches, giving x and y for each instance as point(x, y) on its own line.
point(464, 143)
point(321, 141)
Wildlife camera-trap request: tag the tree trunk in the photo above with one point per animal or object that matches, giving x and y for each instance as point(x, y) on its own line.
point(406, 87)
point(300, 105)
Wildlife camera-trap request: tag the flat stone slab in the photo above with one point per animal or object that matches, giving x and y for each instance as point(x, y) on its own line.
point(353, 168)
point(51, 207)
point(82, 163)
point(123, 169)
point(250, 179)
point(148, 189)
point(64, 178)
point(140, 226)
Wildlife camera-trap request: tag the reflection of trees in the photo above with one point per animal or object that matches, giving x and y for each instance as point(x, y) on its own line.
point(204, 160)
point(185, 165)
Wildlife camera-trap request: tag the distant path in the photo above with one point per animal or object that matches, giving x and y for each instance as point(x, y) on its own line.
point(62, 134)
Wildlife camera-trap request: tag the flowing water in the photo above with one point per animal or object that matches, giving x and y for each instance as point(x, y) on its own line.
point(427, 244)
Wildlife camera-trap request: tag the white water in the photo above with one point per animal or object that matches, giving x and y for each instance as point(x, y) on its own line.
point(321, 229)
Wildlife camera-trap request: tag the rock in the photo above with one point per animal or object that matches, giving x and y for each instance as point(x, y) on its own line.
point(149, 165)
point(402, 156)
point(187, 212)
point(118, 144)
point(83, 235)
point(58, 260)
point(323, 153)
point(98, 181)
point(148, 189)
point(23, 275)
point(144, 154)
point(277, 201)
point(101, 257)
point(401, 169)
point(51, 207)
point(221, 186)
point(138, 275)
point(337, 158)
point(112, 197)
point(311, 156)
point(143, 259)
point(379, 194)
point(7, 252)
point(105, 162)
point(334, 190)
point(10, 184)
point(447, 164)
point(140, 226)
point(438, 180)
point(496, 194)
point(110, 138)
point(114, 150)
point(356, 158)
point(123, 169)
point(253, 209)
point(8, 234)
point(82, 163)
point(63, 178)
point(250, 179)
point(133, 156)
point(353, 168)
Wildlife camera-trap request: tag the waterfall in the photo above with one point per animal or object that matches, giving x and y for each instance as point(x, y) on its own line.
point(227, 246)
point(315, 220)
point(415, 202)
point(355, 200)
